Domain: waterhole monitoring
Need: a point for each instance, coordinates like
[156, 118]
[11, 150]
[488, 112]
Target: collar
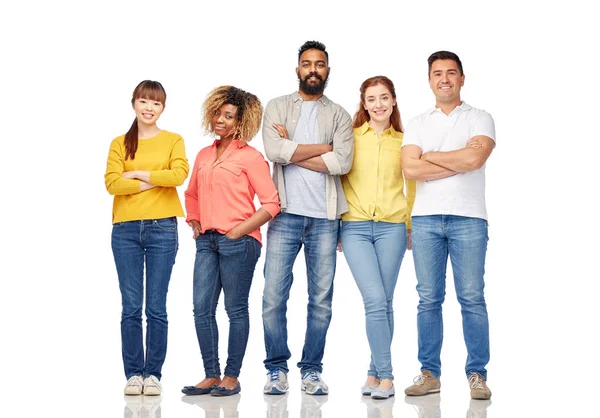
[463, 107]
[323, 99]
[361, 130]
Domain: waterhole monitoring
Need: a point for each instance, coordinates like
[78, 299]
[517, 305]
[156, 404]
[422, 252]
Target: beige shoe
[424, 383]
[152, 386]
[479, 389]
[134, 385]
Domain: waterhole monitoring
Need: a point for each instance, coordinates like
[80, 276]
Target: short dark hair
[312, 45]
[445, 55]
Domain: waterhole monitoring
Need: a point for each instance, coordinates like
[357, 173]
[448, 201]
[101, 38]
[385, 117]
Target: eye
[321, 65]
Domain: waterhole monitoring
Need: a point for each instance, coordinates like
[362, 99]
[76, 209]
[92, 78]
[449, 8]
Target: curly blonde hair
[249, 111]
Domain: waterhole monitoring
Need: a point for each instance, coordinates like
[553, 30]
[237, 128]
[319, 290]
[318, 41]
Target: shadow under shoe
[379, 408]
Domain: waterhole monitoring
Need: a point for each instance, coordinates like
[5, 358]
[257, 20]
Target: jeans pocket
[169, 224]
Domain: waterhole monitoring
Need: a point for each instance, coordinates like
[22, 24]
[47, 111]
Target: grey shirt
[304, 188]
[335, 128]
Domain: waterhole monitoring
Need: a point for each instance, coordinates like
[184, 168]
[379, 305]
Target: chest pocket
[390, 157]
[227, 173]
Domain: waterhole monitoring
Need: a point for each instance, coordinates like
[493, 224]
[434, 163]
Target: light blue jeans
[287, 233]
[374, 252]
[464, 239]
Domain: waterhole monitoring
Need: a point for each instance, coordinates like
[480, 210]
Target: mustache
[313, 75]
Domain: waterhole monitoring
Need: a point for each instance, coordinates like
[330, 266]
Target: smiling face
[379, 103]
[446, 80]
[147, 111]
[224, 121]
[312, 72]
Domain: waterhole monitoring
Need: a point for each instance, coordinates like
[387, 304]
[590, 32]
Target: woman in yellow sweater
[375, 232]
[144, 167]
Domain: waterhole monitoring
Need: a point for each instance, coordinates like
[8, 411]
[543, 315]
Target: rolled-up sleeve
[339, 161]
[192, 207]
[279, 150]
[260, 180]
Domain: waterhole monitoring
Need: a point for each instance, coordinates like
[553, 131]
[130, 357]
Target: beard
[312, 89]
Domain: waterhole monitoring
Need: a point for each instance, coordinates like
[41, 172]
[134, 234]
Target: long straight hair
[147, 89]
[361, 116]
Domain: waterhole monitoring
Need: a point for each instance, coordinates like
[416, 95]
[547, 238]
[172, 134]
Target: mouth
[147, 115]
[445, 87]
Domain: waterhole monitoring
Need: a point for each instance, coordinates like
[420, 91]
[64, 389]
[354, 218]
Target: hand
[424, 156]
[281, 130]
[233, 234]
[409, 239]
[339, 246]
[473, 143]
[196, 228]
[129, 175]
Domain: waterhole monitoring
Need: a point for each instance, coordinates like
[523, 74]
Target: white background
[67, 72]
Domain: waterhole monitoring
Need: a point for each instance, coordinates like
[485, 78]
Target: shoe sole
[318, 392]
[382, 397]
[133, 392]
[275, 391]
[423, 394]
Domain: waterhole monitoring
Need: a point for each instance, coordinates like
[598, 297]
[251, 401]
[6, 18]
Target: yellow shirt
[374, 187]
[164, 157]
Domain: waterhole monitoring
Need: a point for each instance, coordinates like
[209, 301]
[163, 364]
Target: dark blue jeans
[222, 263]
[152, 243]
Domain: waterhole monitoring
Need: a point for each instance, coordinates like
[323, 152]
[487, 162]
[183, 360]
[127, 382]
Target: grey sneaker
[134, 385]
[152, 386]
[277, 383]
[479, 389]
[423, 384]
[312, 384]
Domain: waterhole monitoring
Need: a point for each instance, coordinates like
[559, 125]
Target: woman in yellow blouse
[144, 168]
[375, 231]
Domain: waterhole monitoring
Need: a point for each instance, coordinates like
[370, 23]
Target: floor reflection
[428, 406]
[213, 405]
[142, 406]
[277, 406]
[310, 407]
[379, 408]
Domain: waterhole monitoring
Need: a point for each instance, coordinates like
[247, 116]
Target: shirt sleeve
[339, 161]
[260, 179]
[192, 206]
[178, 169]
[278, 149]
[115, 166]
[484, 125]
[411, 134]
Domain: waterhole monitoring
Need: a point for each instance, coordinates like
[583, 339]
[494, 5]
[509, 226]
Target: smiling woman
[143, 170]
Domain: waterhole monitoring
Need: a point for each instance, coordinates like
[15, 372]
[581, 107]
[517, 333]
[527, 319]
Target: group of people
[361, 185]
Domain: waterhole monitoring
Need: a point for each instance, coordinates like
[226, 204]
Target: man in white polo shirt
[445, 150]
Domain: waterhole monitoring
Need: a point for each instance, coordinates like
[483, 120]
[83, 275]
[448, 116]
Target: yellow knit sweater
[164, 157]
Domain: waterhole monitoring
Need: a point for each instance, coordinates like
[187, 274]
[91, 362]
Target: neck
[448, 107]
[379, 127]
[309, 97]
[224, 142]
[147, 131]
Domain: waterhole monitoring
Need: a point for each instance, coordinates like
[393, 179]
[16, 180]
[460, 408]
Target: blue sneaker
[277, 383]
[312, 384]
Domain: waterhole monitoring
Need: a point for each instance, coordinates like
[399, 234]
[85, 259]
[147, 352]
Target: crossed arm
[306, 156]
[441, 164]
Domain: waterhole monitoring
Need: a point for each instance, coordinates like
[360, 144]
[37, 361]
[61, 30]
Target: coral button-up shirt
[221, 191]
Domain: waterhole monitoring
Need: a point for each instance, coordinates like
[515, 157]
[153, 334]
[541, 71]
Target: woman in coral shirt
[226, 226]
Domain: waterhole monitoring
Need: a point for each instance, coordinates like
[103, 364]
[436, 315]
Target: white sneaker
[152, 386]
[134, 385]
[313, 384]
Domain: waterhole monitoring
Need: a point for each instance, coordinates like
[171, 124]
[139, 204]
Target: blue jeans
[374, 252]
[222, 263]
[465, 240]
[285, 236]
[153, 242]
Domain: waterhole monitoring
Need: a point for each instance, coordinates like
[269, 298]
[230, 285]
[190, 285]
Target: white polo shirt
[464, 193]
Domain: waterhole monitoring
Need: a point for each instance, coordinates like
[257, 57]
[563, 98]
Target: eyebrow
[309, 61]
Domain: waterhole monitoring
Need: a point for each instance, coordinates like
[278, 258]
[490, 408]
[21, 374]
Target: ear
[462, 80]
